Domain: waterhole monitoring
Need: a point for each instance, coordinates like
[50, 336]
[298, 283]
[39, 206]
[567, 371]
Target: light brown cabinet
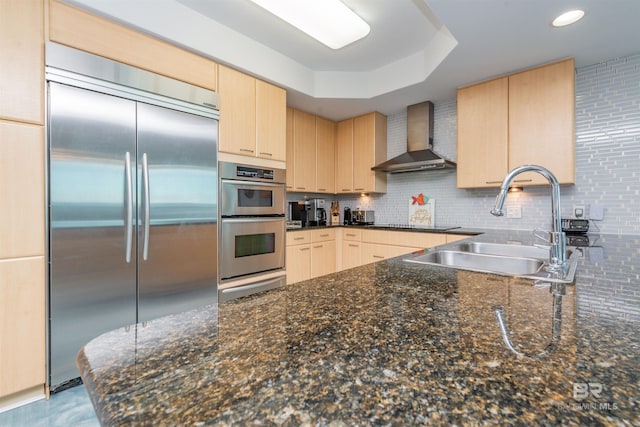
[363, 140]
[384, 244]
[22, 326]
[323, 252]
[21, 190]
[523, 118]
[252, 116]
[310, 254]
[271, 118]
[73, 27]
[304, 148]
[325, 155]
[289, 151]
[344, 156]
[22, 58]
[22, 223]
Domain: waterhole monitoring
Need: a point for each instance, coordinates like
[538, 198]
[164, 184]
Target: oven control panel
[251, 172]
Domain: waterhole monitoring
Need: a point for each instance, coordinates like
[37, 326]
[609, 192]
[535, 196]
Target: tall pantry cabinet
[22, 232]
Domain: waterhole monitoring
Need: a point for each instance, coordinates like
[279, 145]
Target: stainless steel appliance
[252, 220]
[132, 199]
[300, 211]
[363, 217]
[318, 213]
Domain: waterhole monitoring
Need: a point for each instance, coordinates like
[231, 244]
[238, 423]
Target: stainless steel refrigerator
[132, 209]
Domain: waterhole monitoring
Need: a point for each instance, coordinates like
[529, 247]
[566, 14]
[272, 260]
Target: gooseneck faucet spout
[557, 238]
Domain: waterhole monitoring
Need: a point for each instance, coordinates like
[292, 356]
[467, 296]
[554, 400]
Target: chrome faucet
[557, 238]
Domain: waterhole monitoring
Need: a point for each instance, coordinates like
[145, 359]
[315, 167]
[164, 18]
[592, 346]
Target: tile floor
[70, 407]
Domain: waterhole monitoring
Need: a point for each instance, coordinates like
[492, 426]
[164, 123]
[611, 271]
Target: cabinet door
[298, 263]
[482, 134]
[344, 156]
[351, 254]
[325, 155]
[237, 132]
[21, 190]
[369, 148]
[21, 56]
[271, 104]
[22, 325]
[541, 121]
[372, 252]
[323, 258]
[304, 140]
[290, 150]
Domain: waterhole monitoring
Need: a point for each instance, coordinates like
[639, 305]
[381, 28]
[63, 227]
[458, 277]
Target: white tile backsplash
[607, 162]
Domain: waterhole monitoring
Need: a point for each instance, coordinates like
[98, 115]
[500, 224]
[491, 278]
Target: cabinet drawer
[298, 238]
[323, 235]
[351, 234]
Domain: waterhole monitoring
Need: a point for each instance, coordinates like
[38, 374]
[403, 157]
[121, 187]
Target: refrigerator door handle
[147, 214]
[129, 209]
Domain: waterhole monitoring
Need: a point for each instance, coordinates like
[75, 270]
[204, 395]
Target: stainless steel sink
[506, 265]
[525, 251]
[504, 259]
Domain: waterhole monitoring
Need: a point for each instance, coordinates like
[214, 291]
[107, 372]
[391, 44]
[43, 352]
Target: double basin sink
[504, 259]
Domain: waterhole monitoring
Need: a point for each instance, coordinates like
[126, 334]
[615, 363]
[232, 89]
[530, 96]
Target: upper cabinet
[310, 153]
[252, 116]
[304, 150]
[344, 156]
[22, 58]
[523, 118]
[271, 121]
[363, 140]
[81, 30]
[325, 155]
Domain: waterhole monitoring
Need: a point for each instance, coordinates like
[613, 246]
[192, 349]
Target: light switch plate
[514, 211]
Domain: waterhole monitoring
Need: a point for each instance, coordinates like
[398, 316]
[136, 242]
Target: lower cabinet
[310, 254]
[22, 326]
[314, 253]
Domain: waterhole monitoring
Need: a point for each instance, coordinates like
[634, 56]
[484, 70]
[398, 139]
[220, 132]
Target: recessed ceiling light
[328, 21]
[568, 18]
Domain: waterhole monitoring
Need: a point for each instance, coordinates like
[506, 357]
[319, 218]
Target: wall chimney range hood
[420, 155]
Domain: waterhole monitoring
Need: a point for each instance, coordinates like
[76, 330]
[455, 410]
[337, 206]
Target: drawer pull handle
[378, 256]
[318, 247]
[359, 189]
[301, 188]
[298, 238]
[493, 182]
[304, 249]
[346, 189]
[322, 189]
[522, 180]
[354, 246]
[266, 154]
[246, 150]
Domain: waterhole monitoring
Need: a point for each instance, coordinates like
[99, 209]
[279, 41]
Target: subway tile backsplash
[607, 163]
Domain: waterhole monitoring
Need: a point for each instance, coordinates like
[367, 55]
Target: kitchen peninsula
[389, 343]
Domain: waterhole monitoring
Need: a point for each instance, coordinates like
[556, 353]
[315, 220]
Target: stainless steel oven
[252, 220]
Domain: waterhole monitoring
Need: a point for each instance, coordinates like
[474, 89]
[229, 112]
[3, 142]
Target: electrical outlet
[514, 211]
[579, 211]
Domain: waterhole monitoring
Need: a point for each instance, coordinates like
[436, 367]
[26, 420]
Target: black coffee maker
[347, 216]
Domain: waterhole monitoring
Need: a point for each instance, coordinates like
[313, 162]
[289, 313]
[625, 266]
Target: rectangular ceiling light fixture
[328, 21]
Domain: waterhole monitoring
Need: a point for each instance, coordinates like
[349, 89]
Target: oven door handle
[237, 183]
[254, 219]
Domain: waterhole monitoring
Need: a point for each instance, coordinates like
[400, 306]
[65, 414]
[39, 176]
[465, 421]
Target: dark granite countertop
[390, 343]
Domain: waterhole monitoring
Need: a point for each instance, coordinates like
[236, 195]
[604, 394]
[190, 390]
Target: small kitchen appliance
[363, 217]
[300, 211]
[347, 216]
[318, 213]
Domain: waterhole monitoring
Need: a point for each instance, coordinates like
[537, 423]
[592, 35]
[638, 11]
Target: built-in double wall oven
[252, 223]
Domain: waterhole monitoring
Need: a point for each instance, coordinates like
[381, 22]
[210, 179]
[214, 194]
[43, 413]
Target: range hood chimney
[420, 155]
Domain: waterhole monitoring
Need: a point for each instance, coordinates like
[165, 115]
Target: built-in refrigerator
[132, 200]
